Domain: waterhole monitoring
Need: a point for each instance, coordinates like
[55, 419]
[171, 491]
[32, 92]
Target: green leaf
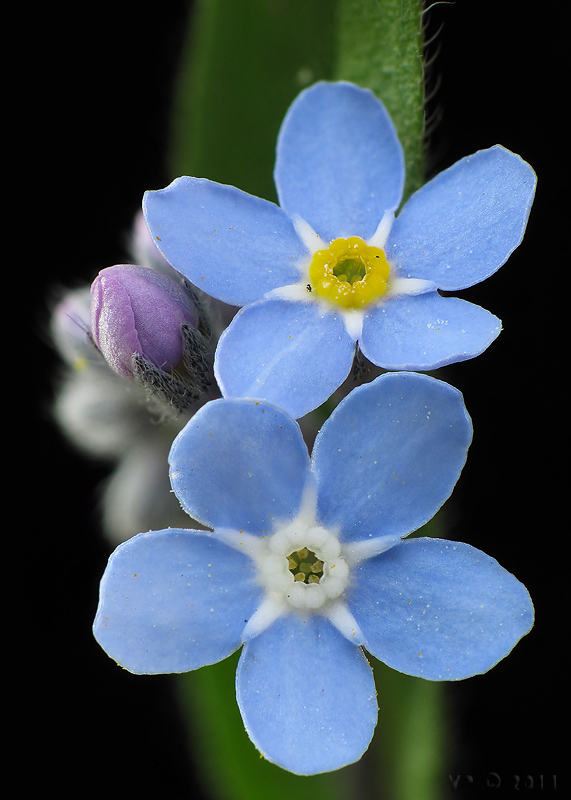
[244, 64]
[409, 742]
[380, 47]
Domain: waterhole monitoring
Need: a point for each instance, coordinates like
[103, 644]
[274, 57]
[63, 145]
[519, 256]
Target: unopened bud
[138, 312]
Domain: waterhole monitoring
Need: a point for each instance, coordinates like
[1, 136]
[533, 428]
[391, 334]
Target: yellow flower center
[349, 272]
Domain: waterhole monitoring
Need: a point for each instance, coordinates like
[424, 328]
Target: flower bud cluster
[136, 350]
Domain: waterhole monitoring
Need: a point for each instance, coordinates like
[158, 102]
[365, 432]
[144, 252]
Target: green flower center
[350, 269]
[305, 566]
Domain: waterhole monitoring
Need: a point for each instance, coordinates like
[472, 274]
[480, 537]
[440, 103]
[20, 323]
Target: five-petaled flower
[305, 566]
[331, 266]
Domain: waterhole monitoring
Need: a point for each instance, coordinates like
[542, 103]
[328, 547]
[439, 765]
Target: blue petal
[232, 245]
[306, 695]
[239, 464]
[437, 609]
[389, 455]
[291, 354]
[461, 226]
[426, 331]
[173, 601]
[339, 163]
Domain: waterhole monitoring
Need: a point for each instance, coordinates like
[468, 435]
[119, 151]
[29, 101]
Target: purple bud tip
[137, 311]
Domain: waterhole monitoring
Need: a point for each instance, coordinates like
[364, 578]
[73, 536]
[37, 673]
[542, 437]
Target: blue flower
[306, 567]
[330, 266]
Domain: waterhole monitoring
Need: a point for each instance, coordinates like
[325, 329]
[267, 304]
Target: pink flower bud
[138, 311]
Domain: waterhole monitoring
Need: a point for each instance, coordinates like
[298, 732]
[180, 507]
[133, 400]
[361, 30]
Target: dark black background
[92, 135]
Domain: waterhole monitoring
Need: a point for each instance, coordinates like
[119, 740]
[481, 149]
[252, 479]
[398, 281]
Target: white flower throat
[302, 566]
